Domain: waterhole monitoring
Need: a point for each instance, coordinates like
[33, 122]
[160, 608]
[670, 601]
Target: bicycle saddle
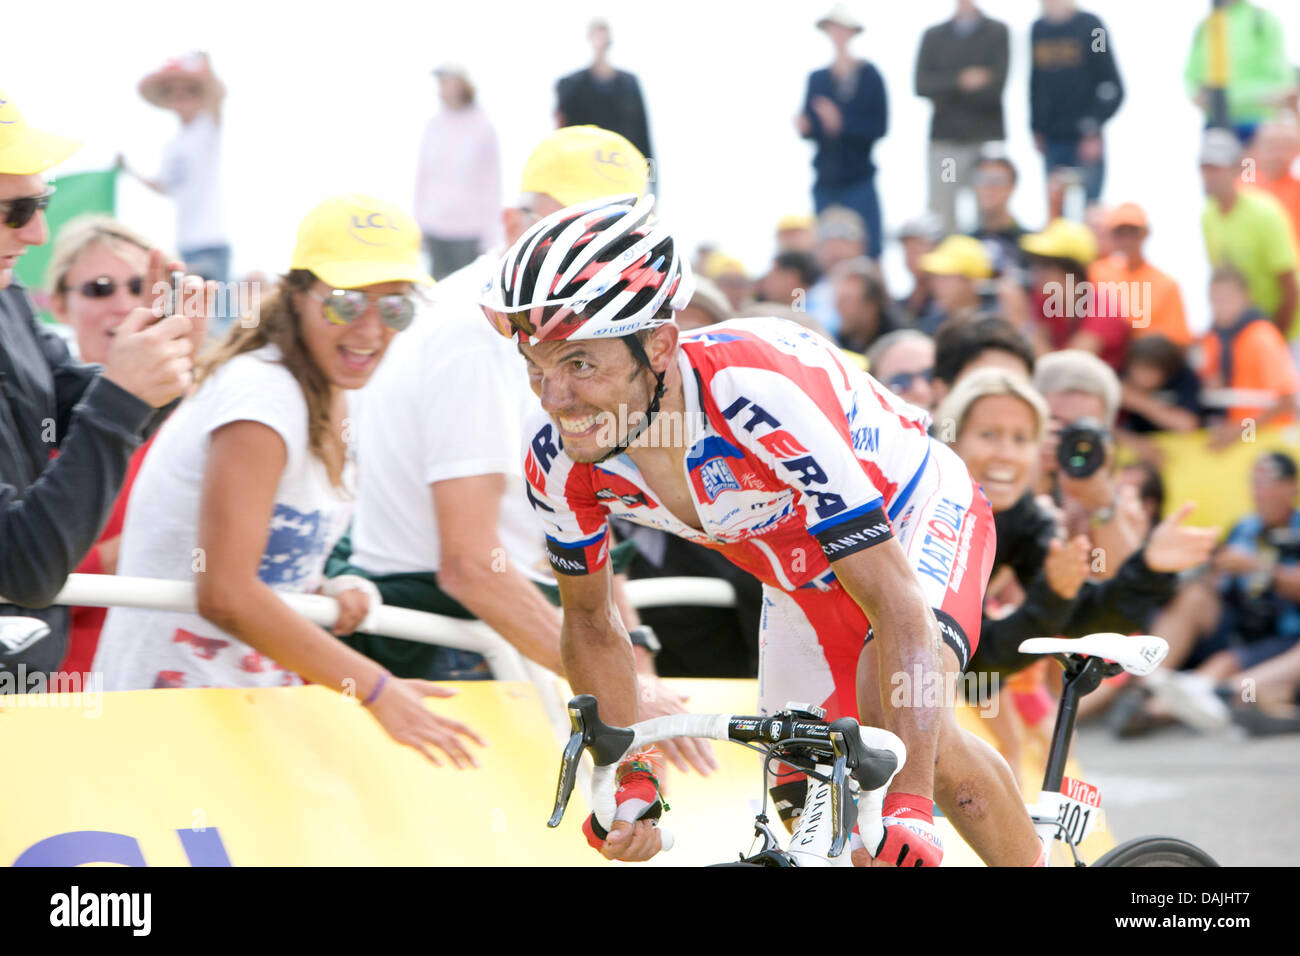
[1139, 654]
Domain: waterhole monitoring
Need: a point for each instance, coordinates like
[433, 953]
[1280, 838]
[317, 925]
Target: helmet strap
[638, 352]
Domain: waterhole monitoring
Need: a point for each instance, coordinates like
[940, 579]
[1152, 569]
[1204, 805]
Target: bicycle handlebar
[871, 755]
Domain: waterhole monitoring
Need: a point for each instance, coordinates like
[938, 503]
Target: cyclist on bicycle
[756, 438]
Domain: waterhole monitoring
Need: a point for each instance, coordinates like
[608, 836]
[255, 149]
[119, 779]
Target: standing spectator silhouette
[961, 68]
[190, 173]
[458, 182]
[601, 95]
[1074, 88]
[1257, 77]
[844, 113]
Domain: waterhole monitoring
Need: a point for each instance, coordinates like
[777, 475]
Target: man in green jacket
[1257, 78]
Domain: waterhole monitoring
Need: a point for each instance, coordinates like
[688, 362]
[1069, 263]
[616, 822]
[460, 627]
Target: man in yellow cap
[51, 511]
[442, 521]
[957, 268]
[1066, 309]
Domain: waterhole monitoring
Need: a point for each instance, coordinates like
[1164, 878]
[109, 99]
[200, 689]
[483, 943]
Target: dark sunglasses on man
[19, 212]
[902, 381]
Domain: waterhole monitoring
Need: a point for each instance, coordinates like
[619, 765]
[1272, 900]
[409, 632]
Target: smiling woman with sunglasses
[95, 278]
[249, 485]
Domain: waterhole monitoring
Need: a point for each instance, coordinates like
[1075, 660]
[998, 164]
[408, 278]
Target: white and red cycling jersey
[786, 440]
[795, 458]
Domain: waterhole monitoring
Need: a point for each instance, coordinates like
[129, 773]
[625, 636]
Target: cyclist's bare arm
[595, 647]
[906, 635]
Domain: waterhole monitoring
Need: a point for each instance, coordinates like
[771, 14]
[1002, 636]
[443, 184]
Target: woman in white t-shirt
[246, 489]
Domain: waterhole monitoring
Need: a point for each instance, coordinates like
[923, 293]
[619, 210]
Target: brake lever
[843, 810]
[568, 768]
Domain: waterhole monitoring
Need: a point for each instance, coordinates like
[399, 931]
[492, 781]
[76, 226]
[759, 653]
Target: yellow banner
[302, 776]
[1218, 481]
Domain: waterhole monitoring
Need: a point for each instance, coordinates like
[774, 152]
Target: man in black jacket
[1074, 88]
[961, 68]
[51, 511]
[600, 95]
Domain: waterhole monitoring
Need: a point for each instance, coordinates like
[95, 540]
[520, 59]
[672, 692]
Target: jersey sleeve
[562, 496]
[791, 419]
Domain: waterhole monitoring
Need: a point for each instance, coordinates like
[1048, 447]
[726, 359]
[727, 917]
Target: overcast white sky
[332, 96]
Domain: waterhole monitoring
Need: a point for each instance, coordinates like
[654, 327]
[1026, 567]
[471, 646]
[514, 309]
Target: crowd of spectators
[1054, 357]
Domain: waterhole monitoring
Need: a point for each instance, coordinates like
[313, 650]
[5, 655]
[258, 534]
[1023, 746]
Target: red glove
[637, 798]
[910, 836]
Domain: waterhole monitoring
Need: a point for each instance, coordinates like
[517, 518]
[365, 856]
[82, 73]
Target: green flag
[74, 195]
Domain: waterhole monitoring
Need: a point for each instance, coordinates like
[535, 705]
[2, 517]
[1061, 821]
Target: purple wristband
[375, 691]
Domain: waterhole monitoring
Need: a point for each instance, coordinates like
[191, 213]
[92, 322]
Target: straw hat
[191, 66]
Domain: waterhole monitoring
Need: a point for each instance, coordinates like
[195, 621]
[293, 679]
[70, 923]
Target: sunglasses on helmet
[19, 212]
[345, 306]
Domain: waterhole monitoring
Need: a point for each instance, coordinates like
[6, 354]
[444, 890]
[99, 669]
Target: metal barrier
[506, 663]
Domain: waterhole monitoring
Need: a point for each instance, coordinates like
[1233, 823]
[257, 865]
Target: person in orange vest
[1245, 365]
[1152, 291]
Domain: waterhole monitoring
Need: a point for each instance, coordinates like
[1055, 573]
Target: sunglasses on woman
[19, 212]
[105, 288]
[345, 306]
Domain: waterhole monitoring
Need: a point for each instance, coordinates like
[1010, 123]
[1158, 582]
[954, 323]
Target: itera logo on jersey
[939, 546]
[786, 448]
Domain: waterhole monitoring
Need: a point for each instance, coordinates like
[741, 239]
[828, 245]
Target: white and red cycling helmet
[600, 269]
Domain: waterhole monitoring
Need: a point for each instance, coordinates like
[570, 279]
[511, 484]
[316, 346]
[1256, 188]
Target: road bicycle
[850, 766]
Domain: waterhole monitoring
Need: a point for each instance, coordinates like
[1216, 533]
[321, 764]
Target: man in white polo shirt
[443, 521]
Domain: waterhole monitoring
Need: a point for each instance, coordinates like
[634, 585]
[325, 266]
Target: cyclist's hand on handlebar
[632, 843]
[658, 700]
[910, 837]
[401, 709]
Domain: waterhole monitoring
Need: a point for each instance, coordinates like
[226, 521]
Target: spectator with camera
[1077, 460]
[52, 509]
[1043, 569]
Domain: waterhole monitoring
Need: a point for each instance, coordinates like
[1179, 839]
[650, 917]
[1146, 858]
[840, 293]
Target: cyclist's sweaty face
[594, 390]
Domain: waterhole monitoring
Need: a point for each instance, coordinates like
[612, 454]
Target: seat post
[1082, 677]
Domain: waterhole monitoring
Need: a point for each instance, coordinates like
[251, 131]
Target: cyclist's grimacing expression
[593, 389]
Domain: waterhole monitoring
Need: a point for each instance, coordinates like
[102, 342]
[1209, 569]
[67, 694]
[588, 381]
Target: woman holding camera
[1000, 423]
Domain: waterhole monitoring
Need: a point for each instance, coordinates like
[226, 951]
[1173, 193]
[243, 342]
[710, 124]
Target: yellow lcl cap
[354, 240]
[579, 163]
[959, 256]
[24, 150]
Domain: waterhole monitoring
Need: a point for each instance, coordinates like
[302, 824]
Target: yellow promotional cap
[354, 240]
[579, 163]
[959, 256]
[25, 151]
[1062, 239]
